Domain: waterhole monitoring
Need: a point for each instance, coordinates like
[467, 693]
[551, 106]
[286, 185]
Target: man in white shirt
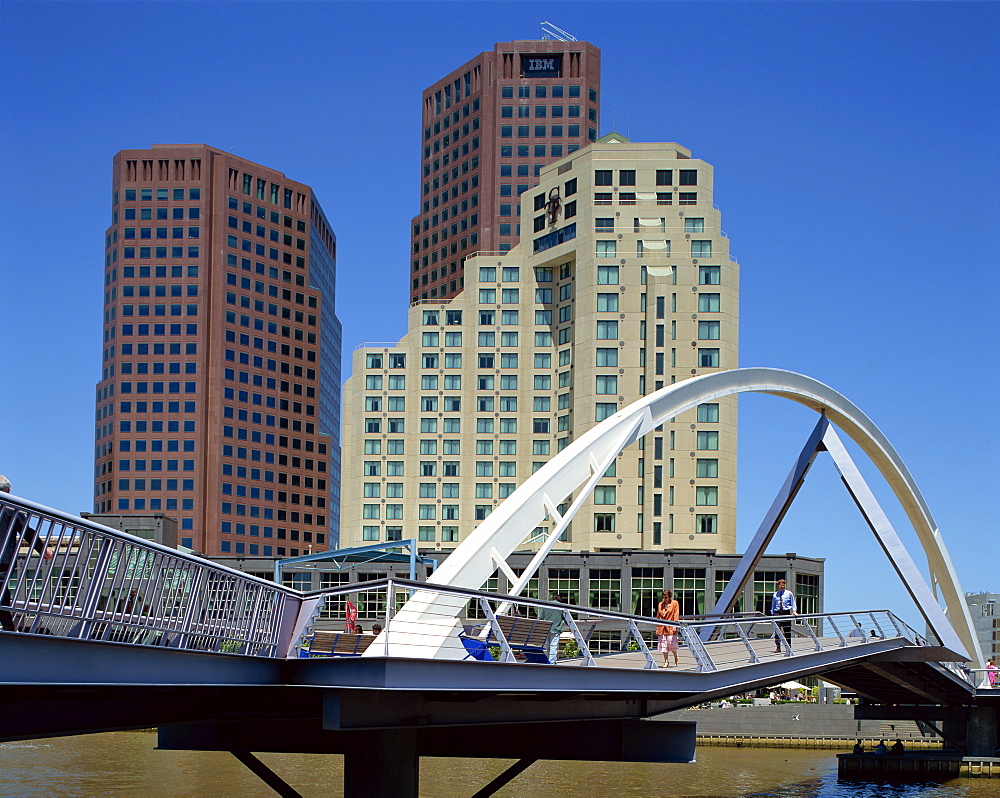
[783, 603]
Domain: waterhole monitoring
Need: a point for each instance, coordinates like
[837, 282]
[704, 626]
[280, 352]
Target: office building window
[709, 303]
[708, 358]
[603, 410]
[709, 275]
[708, 413]
[706, 524]
[706, 496]
[708, 440]
[708, 330]
[707, 468]
[604, 522]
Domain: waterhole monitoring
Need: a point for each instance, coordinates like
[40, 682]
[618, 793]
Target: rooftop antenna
[550, 31]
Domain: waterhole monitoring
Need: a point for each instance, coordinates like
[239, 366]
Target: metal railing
[439, 301]
[72, 578]
[456, 623]
[379, 345]
[984, 678]
[69, 577]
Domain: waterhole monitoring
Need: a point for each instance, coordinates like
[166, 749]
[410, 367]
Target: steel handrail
[629, 624]
[98, 583]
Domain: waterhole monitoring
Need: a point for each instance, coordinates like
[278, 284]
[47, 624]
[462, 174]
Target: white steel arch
[584, 461]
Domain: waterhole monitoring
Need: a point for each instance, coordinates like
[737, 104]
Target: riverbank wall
[798, 725]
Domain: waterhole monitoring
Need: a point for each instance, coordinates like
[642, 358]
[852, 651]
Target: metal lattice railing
[69, 577]
[66, 576]
[470, 624]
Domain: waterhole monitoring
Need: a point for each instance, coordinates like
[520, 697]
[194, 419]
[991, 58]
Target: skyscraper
[622, 284]
[219, 398]
[488, 128]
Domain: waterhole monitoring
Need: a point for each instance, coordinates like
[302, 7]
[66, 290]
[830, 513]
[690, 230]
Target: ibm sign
[541, 66]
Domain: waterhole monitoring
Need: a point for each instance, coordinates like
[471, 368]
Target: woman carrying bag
[668, 610]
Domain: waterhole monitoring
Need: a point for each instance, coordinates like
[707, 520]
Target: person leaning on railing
[13, 530]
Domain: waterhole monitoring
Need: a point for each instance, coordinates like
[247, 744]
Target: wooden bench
[530, 636]
[337, 644]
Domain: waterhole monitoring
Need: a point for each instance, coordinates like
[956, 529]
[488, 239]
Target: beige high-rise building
[622, 284]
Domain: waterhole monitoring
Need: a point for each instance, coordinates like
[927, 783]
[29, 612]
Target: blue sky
[855, 149]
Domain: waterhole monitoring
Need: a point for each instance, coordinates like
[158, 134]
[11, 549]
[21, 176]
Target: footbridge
[103, 631]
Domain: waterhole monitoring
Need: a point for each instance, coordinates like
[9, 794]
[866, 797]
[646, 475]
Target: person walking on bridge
[13, 530]
[783, 603]
[668, 610]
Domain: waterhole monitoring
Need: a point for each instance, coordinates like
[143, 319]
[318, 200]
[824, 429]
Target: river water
[126, 764]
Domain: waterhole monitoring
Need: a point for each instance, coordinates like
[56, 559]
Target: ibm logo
[541, 64]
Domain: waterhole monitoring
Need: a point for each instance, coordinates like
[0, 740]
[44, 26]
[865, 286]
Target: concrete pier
[917, 766]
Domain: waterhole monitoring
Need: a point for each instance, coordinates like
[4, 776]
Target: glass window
[605, 494]
[708, 413]
[708, 358]
[708, 440]
[707, 468]
[706, 495]
[607, 357]
[708, 303]
[693, 224]
[709, 275]
[708, 330]
[607, 249]
[607, 384]
[701, 249]
[607, 303]
[604, 410]
[607, 330]
[706, 524]
[689, 586]
[604, 522]
[607, 275]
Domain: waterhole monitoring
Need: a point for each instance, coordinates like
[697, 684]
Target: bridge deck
[726, 654]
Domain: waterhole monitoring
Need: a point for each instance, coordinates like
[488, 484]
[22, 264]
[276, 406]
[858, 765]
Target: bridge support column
[976, 733]
[381, 762]
[981, 731]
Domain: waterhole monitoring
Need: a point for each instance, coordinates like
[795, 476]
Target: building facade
[986, 619]
[622, 284]
[219, 398]
[629, 581]
[488, 129]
